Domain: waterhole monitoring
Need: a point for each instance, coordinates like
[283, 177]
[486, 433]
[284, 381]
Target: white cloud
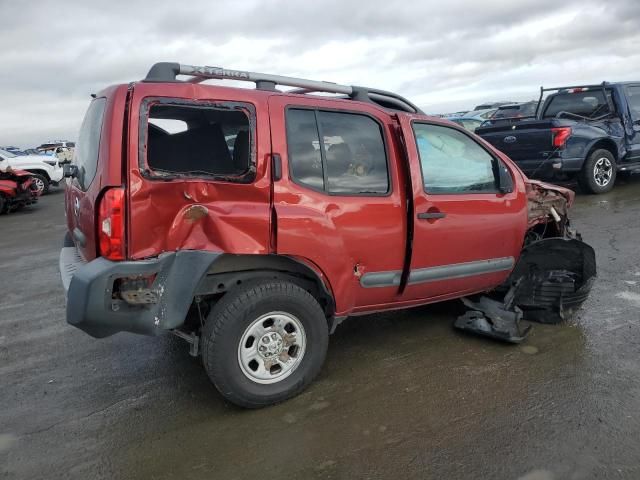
[442, 55]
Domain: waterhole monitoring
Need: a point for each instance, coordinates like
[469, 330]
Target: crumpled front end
[548, 206]
[550, 281]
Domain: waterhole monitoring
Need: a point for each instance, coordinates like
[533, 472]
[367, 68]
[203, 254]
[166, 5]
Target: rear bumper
[92, 307]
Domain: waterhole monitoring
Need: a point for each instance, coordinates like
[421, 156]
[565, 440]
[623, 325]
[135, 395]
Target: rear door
[98, 157]
[339, 205]
[467, 234]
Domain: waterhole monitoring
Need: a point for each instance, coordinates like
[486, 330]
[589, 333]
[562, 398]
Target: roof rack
[167, 72]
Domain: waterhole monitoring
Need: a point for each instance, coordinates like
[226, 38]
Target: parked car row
[46, 170]
[61, 149]
[588, 133]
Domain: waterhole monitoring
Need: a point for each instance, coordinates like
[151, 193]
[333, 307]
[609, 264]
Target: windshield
[6, 154]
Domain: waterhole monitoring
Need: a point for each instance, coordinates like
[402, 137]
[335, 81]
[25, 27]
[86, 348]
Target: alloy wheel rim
[272, 347]
[39, 185]
[602, 172]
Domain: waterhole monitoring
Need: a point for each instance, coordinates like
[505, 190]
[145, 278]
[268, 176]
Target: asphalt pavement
[402, 395]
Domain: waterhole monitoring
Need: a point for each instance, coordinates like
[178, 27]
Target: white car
[46, 170]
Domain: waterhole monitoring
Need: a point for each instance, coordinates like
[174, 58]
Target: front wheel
[41, 183]
[598, 172]
[264, 343]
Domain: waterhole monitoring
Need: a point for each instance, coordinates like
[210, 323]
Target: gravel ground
[402, 394]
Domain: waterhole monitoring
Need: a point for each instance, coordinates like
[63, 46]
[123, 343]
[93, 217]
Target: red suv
[252, 221]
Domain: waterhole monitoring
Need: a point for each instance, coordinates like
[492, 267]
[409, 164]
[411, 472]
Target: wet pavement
[402, 395]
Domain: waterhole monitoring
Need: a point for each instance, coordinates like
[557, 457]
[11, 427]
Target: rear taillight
[111, 241]
[559, 136]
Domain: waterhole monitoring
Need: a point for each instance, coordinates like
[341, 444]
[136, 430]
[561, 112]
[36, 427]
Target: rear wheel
[264, 343]
[41, 183]
[598, 173]
[3, 204]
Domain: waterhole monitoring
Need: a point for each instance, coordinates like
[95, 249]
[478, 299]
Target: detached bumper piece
[491, 318]
[551, 280]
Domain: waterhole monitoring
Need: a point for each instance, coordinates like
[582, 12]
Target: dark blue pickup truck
[589, 132]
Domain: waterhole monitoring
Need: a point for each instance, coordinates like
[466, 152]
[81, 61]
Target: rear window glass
[588, 104]
[86, 153]
[525, 110]
[198, 140]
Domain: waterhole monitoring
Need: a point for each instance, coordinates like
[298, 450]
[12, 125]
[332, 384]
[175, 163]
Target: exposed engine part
[545, 201]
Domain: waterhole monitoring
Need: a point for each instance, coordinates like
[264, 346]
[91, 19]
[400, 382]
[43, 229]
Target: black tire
[592, 179]
[43, 179]
[3, 204]
[231, 318]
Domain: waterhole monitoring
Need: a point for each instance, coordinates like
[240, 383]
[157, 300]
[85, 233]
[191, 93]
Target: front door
[467, 234]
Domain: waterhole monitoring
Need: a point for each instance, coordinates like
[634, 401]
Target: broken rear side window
[198, 140]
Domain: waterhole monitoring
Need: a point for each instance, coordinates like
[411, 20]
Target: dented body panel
[197, 213]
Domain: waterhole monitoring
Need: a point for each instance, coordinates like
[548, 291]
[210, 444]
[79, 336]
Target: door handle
[431, 215]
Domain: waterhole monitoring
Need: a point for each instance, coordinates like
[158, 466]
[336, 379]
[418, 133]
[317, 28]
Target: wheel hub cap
[272, 347]
[602, 172]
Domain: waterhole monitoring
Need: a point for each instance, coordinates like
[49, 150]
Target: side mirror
[69, 170]
[505, 181]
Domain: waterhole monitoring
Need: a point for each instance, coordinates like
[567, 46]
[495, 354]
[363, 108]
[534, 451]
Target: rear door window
[199, 140]
[453, 163]
[350, 160]
[87, 148]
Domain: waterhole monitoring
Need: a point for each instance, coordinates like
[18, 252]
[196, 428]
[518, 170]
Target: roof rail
[167, 72]
[599, 85]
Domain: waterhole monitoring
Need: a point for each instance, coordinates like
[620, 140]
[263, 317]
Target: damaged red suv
[251, 222]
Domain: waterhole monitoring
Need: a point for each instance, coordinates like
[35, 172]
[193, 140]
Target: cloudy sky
[443, 55]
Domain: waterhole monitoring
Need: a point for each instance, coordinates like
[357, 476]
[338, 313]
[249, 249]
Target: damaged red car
[17, 190]
[251, 222]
